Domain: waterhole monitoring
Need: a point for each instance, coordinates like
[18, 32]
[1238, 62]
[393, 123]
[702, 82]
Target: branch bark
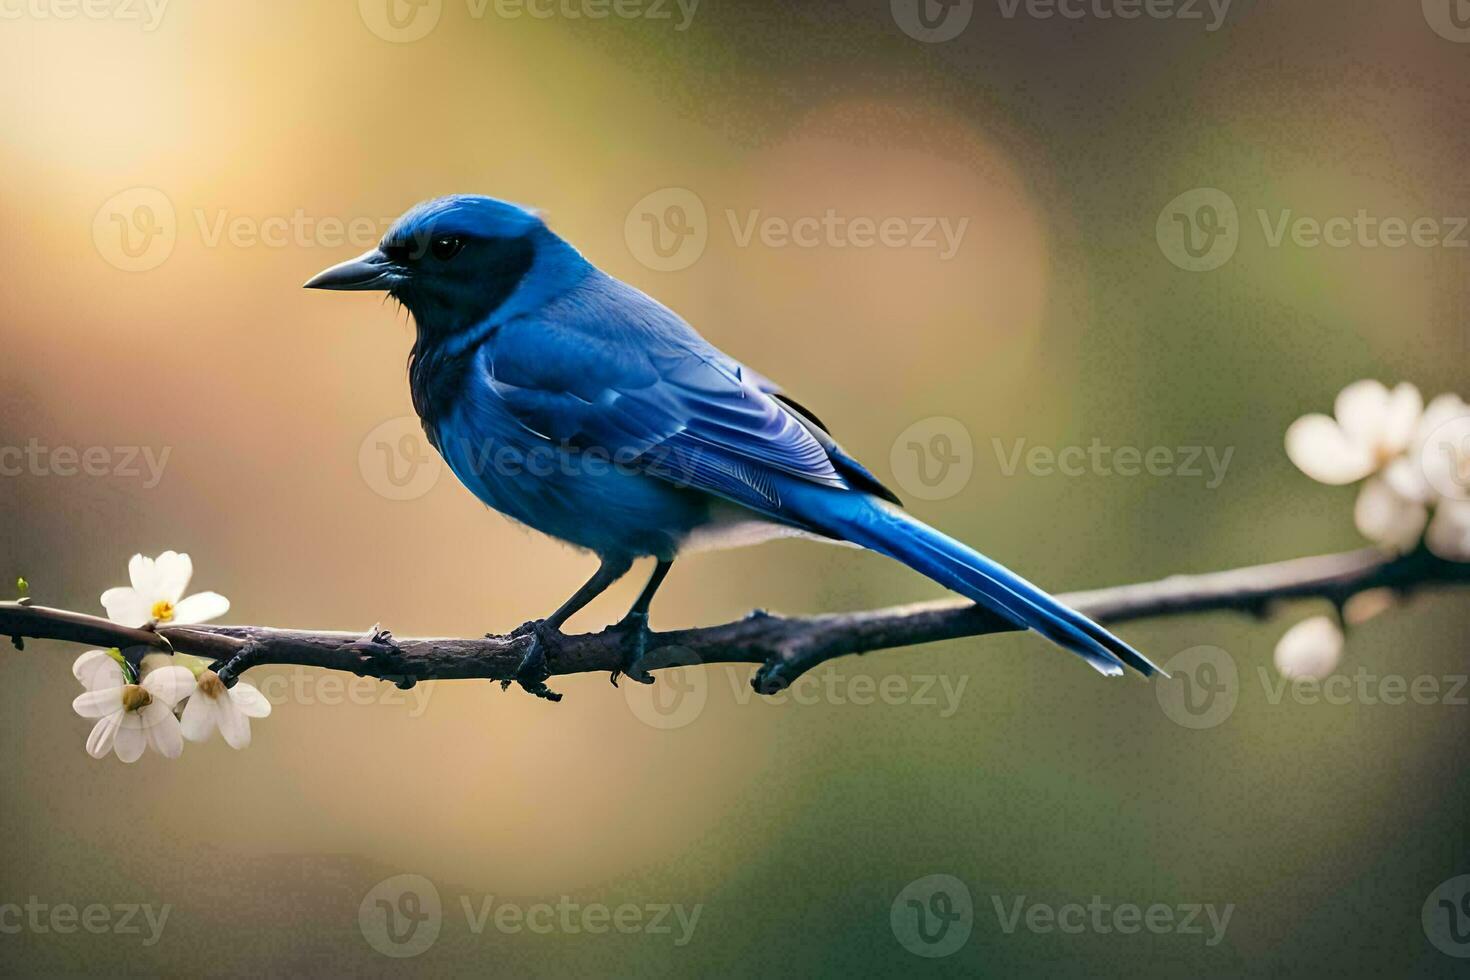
[785, 646]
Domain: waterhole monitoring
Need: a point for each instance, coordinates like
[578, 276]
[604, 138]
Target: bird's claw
[635, 631]
[533, 670]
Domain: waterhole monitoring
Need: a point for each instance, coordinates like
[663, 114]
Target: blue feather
[881, 528]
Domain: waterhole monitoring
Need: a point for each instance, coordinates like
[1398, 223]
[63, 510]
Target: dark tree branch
[785, 646]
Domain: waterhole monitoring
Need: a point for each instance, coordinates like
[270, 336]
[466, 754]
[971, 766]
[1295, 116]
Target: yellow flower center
[135, 698]
[163, 610]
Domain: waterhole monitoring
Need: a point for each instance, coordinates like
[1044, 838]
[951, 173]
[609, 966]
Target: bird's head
[454, 261]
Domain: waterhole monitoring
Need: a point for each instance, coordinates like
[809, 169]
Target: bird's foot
[543, 642]
[635, 634]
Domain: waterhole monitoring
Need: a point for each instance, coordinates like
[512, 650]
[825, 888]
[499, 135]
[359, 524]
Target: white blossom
[1310, 649]
[212, 705]
[157, 594]
[1406, 453]
[1372, 427]
[130, 717]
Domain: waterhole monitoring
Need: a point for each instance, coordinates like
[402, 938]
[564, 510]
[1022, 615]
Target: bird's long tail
[868, 522]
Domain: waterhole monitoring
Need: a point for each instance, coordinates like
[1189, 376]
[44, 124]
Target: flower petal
[1449, 532]
[173, 573]
[1406, 477]
[98, 671]
[1444, 458]
[233, 724]
[1441, 410]
[1311, 648]
[142, 574]
[126, 606]
[99, 743]
[1401, 418]
[201, 607]
[162, 731]
[100, 703]
[248, 699]
[1361, 409]
[130, 740]
[1388, 519]
[1322, 450]
[169, 685]
[198, 722]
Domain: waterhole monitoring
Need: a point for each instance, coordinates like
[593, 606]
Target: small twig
[786, 646]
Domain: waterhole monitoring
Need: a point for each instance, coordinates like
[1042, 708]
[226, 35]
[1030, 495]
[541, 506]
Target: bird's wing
[653, 394]
[855, 473]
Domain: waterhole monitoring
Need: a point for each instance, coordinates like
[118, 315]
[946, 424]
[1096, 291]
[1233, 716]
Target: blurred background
[174, 172]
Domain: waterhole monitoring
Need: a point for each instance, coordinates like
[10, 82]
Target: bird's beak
[370, 270]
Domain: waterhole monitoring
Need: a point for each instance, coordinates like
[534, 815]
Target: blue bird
[575, 404]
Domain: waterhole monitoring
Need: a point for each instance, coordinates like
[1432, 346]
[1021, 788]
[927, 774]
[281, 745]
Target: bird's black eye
[446, 247]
